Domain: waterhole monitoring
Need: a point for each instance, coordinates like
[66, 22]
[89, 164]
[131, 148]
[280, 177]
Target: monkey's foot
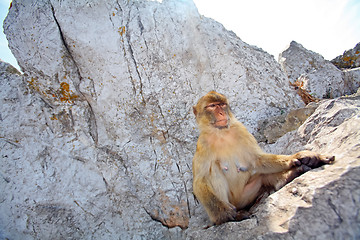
[313, 160]
[226, 213]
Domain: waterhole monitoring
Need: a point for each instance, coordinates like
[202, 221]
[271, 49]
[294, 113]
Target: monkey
[230, 170]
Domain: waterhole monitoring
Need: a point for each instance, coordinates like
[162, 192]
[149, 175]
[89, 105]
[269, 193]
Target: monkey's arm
[272, 163]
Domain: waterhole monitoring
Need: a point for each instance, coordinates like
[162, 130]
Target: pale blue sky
[328, 27]
[5, 53]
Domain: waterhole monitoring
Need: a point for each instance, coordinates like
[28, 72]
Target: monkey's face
[218, 114]
[213, 111]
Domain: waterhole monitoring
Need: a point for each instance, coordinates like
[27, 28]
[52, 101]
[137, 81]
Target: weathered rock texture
[97, 135]
[272, 129]
[103, 133]
[320, 77]
[350, 58]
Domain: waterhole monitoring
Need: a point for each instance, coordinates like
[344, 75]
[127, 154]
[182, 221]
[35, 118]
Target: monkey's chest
[235, 171]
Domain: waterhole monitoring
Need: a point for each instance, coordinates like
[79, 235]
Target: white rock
[107, 130]
[98, 135]
[324, 80]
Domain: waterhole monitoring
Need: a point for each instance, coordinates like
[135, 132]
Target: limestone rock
[320, 77]
[350, 58]
[352, 79]
[98, 136]
[273, 128]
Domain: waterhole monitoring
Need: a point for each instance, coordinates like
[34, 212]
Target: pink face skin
[221, 118]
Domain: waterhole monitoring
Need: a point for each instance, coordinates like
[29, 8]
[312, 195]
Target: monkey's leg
[272, 163]
[278, 180]
[261, 183]
[219, 211]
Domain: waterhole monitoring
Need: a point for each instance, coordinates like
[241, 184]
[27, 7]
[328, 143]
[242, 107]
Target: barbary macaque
[230, 171]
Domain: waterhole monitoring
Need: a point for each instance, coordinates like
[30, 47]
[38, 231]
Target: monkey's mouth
[221, 123]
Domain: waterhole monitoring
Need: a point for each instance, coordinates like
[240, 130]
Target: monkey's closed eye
[211, 106]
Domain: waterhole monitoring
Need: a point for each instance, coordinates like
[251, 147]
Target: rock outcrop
[320, 77]
[97, 134]
[270, 130]
[350, 58]
[104, 131]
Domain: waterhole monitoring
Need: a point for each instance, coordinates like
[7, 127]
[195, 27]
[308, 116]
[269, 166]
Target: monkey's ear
[194, 111]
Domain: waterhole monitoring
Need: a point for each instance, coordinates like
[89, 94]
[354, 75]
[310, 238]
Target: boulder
[352, 79]
[273, 128]
[97, 134]
[349, 59]
[102, 139]
[319, 76]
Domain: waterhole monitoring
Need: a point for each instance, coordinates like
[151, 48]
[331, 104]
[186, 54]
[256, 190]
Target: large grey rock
[320, 77]
[102, 137]
[97, 135]
[352, 79]
[273, 128]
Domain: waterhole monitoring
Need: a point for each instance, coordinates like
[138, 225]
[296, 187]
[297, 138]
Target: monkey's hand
[313, 159]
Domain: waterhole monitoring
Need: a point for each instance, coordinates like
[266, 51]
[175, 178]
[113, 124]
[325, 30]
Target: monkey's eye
[213, 105]
[222, 105]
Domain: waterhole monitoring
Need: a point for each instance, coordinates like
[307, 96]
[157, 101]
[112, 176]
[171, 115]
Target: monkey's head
[213, 110]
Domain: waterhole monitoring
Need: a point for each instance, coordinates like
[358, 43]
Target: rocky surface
[320, 77]
[349, 59]
[272, 129]
[97, 135]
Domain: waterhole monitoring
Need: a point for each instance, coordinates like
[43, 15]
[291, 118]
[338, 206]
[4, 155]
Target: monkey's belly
[237, 175]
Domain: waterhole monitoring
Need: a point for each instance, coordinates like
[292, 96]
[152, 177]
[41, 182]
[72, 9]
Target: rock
[320, 77]
[273, 128]
[352, 79]
[320, 204]
[349, 59]
[98, 134]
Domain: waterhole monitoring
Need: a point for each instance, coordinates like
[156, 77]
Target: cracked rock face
[97, 135]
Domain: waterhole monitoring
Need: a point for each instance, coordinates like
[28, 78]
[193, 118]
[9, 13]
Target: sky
[328, 27]
[5, 53]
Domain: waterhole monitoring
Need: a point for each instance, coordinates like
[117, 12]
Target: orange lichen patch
[65, 93]
[53, 117]
[304, 94]
[346, 59]
[173, 215]
[121, 30]
[34, 84]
